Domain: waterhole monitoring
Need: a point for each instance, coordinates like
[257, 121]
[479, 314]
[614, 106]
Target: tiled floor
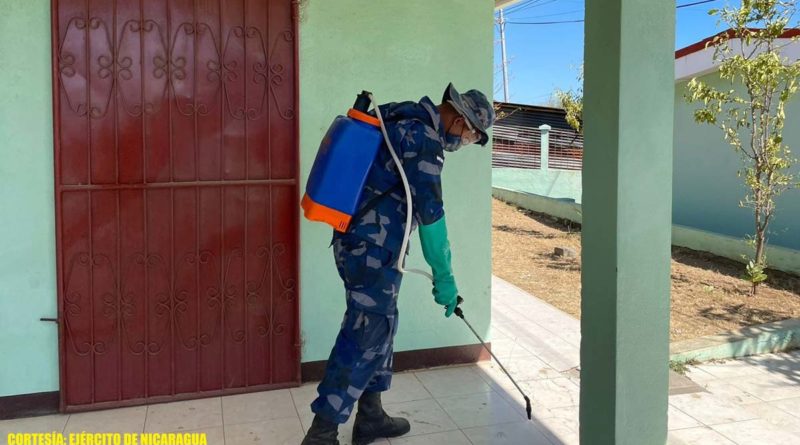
[750, 401]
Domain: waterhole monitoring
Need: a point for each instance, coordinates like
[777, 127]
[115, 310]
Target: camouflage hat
[474, 107]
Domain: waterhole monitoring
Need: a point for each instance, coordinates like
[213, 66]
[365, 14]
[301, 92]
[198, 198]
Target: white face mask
[471, 137]
[453, 142]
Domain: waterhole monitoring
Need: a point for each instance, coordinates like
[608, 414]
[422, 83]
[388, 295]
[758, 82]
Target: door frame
[56, 102]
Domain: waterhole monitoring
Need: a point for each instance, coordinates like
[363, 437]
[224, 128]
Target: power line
[694, 4]
[527, 5]
[550, 15]
[513, 8]
[558, 22]
[520, 6]
[546, 23]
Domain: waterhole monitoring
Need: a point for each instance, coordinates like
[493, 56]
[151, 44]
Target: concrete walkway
[755, 400]
[752, 401]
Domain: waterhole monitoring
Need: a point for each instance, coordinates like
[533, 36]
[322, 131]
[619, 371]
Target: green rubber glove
[436, 249]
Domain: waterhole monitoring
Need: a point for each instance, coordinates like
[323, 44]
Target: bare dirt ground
[708, 297]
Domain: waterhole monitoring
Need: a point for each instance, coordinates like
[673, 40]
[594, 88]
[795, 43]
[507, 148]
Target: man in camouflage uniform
[360, 365]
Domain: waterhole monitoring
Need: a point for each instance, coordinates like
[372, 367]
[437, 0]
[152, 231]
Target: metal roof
[529, 116]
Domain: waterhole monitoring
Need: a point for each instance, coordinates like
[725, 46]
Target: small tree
[572, 102]
[752, 112]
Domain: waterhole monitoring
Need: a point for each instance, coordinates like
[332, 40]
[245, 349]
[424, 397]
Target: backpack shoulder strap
[374, 201]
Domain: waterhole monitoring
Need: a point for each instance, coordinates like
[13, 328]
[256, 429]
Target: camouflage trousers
[361, 359]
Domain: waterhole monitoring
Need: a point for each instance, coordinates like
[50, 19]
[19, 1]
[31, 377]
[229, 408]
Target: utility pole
[502, 23]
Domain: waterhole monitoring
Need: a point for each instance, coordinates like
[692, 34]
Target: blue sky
[545, 57]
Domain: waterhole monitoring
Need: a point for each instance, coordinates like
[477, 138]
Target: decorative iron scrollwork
[258, 296]
[222, 69]
[119, 303]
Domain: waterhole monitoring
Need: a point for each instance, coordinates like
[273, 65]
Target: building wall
[706, 188]
[394, 49]
[28, 347]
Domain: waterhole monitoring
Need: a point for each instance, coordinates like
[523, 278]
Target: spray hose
[404, 247]
[407, 234]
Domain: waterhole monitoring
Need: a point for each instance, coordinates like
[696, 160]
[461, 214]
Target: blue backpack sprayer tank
[347, 151]
[337, 178]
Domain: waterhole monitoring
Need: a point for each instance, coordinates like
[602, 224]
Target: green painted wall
[398, 50]
[556, 184]
[706, 189]
[397, 62]
[28, 347]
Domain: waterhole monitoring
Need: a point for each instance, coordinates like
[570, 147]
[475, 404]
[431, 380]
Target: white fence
[527, 147]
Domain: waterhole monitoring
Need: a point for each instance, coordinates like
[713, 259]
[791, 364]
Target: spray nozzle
[459, 313]
[362, 101]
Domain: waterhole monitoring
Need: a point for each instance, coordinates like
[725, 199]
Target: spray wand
[460, 314]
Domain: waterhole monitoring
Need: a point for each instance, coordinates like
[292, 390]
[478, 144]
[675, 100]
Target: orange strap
[363, 117]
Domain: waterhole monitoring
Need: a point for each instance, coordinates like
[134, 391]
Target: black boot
[372, 422]
[322, 432]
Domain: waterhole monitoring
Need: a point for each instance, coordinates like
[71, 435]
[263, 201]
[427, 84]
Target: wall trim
[29, 405]
[44, 403]
[779, 258]
[777, 336]
[416, 359]
[698, 59]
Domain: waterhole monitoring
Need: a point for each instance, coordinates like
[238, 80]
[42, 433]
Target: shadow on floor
[548, 426]
[787, 365]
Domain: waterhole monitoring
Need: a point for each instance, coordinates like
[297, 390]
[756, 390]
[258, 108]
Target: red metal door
[176, 198]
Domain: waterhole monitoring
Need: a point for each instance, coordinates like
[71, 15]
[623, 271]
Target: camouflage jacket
[417, 136]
